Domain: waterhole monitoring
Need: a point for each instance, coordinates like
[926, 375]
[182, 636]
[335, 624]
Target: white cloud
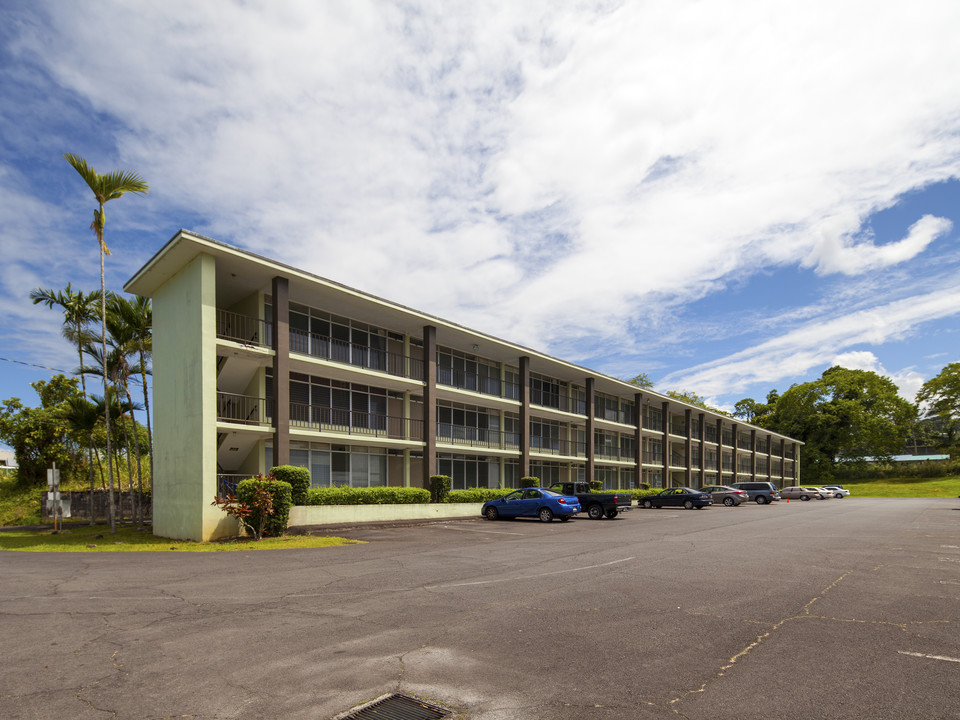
[822, 342]
[553, 173]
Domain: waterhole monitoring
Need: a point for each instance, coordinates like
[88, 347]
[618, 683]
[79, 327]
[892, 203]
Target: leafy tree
[41, 436]
[844, 417]
[940, 399]
[106, 187]
[79, 310]
[136, 316]
[642, 381]
[745, 409]
[693, 399]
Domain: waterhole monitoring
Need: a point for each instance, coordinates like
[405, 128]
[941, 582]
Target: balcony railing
[653, 424]
[363, 356]
[556, 401]
[476, 437]
[242, 409]
[227, 482]
[242, 328]
[353, 422]
[478, 383]
[555, 446]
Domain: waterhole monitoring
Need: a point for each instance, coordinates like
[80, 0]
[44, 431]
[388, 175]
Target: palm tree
[79, 310]
[83, 418]
[137, 316]
[109, 186]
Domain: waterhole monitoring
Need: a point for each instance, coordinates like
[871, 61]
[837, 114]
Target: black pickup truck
[596, 505]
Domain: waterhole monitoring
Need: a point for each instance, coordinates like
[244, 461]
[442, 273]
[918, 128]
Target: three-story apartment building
[257, 363]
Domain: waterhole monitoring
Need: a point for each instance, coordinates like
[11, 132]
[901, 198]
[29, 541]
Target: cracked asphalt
[832, 609]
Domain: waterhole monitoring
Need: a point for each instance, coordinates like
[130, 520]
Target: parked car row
[564, 500]
[795, 492]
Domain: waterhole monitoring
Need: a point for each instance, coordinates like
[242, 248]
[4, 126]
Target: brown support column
[591, 445]
[769, 458]
[665, 419]
[281, 371]
[796, 464]
[638, 437]
[429, 403]
[688, 447]
[736, 451]
[524, 417]
[753, 455]
[783, 449]
[720, 452]
[701, 428]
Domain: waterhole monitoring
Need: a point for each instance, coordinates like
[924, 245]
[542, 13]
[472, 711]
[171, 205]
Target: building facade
[257, 364]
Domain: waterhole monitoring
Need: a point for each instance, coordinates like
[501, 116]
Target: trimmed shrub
[299, 479]
[367, 496]
[477, 495]
[637, 493]
[529, 481]
[596, 486]
[439, 487]
[276, 523]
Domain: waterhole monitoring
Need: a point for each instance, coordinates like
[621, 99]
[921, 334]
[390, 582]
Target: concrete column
[753, 455]
[591, 445]
[769, 458]
[688, 447]
[796, 464]
[720, 451]
[524, 417]
[281, 371]
[783, 449]
[429, 403]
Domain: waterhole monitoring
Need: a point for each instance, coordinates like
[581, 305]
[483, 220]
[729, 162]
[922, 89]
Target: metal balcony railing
[475, 382]
[242, 328]
[555, 446]
[363, 356]
[557, 401]
[242, 409]
[476, 437]
[353, 422]
[227, 482]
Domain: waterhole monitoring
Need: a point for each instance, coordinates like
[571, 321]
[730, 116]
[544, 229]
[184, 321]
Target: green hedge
[299, 479]
[367, 496]
[476, 495]
[276, 524]
[636, 493]
[529, 482]
[884, 471]
[439, 487]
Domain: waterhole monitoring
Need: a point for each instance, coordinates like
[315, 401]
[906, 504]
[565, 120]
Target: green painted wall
[185, 406]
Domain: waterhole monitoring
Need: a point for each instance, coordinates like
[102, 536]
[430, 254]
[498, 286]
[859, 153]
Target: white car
[825, 492]
[838, 491]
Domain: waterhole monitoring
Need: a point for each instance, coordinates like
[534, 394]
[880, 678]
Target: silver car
[727, 495]
[800, 493]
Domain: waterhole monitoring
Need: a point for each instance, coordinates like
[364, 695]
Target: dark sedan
[678, 497]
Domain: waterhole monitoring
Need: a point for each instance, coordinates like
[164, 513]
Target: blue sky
[728, 196]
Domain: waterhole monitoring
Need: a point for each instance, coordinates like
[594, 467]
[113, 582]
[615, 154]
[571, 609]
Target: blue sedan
[532, 502]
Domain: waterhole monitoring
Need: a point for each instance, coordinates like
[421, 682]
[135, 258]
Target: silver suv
[760, 492]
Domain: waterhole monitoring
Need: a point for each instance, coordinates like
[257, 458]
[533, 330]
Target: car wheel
[564, 518]
[688, 504]
[728, 501]
[761, 500]
[491, 513]
[595, 512]
[647, 504]
[611, 514]
[546, 515]
[804, 497]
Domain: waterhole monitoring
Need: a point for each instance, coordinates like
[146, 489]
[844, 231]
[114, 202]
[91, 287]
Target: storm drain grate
[396, 707]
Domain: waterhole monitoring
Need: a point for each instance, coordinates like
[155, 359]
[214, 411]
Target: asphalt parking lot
[832, 609]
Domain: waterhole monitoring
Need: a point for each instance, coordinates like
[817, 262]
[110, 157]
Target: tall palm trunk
[103, 344]
[146, 409]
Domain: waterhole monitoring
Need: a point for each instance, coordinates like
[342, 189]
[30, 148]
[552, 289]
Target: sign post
[53, 497]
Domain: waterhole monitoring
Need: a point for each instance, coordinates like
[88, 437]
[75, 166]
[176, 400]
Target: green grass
[97, 538]
[18, 506]
[948, 487]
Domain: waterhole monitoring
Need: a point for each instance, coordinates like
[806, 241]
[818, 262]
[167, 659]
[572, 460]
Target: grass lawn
[947, 487]
[97, 538]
